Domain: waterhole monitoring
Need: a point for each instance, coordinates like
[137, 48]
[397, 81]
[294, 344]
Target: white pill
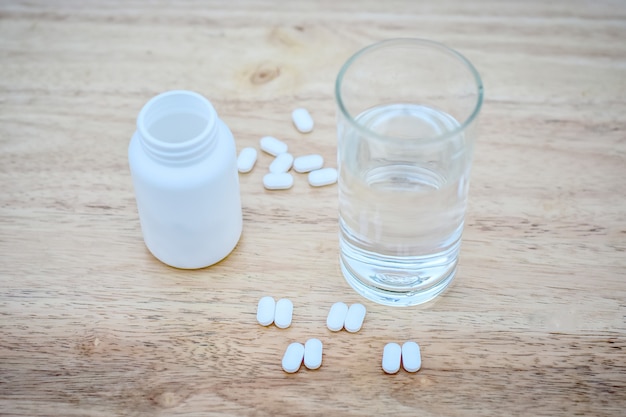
[308, 163]
[283, 313]
[411, 357]
[281, 164]
[302, 120]
[354, 318]
[313, 353]
[321, 177]
[292, 359]
[246, 160]
[265, 311]
[273, 146]
[281, 181]
[391, 358]
[336, 316]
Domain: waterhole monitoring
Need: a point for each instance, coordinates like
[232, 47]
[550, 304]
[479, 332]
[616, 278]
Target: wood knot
[264, 74]
[91, 343]
[170, 396]
[167, 399]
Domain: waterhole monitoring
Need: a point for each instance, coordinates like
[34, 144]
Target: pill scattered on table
[273, 146]
[283, 313]
[313, 353]
[265, 311]
[246, 160]
[392, 355]
[292, 359]
[302, 120]
[411, 357]
[308, 163]
[282, 163]
[321, 177]
[282, 181]
[354, 318]
[336, 316]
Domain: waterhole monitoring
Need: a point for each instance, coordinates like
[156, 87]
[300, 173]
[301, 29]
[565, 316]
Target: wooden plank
[93, 325]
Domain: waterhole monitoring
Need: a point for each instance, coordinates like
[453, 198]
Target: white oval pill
[302, 120]
[283, 313]
[281, 164]
[265, 311]
[411, 357]
[281, 181]
[321, 177]
[313, 353]
[391, 358]
[336, 316]
[292, 359]
[308, 163]
[273, 146]
[354, 318]
[246, 160]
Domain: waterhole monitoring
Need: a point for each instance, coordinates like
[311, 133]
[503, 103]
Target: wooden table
[92, 325]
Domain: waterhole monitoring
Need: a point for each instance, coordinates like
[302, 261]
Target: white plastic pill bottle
[183, 164]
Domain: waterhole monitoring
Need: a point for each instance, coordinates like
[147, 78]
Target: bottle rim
[165, 103]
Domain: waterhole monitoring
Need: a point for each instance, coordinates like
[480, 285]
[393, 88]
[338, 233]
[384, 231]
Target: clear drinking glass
[407, 111]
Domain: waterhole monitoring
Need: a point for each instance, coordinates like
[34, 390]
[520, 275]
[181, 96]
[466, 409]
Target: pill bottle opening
[176, 117]
[178, 127]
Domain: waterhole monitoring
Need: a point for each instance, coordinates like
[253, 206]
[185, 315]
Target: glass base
[396, 298]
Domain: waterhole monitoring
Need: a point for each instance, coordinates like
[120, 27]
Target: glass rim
[425, 42]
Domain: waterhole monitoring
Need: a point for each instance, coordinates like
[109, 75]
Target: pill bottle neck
[178, 127]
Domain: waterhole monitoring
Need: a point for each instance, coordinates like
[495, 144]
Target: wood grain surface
[92, 325]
